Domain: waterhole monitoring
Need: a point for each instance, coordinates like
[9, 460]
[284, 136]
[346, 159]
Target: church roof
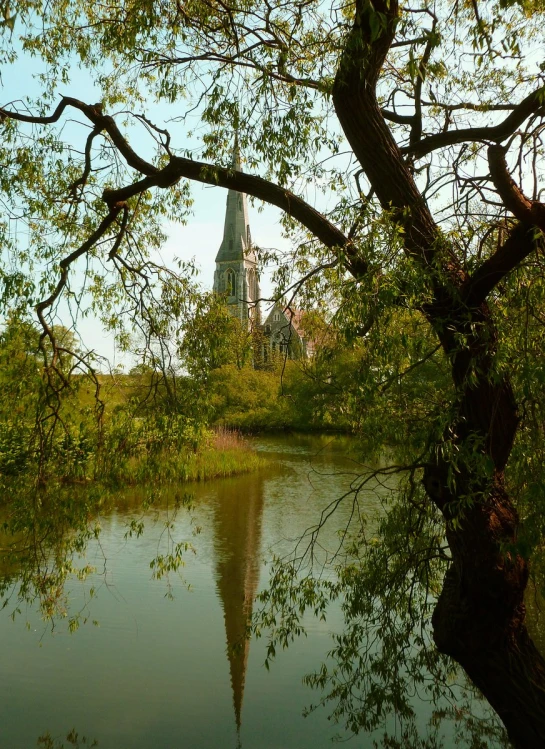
[287, 317]
[236, 244]
[288, 322]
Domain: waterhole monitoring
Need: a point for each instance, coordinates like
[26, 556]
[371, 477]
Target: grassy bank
[130, 452]
[223, 453]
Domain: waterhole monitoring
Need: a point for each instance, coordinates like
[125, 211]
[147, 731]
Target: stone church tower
[236, 273]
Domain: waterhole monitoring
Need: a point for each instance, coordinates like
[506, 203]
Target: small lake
[159, 669]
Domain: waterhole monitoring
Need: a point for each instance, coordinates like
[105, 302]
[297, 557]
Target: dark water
[160, 671]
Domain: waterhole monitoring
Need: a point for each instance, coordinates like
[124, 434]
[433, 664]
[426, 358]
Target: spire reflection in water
[237, 544]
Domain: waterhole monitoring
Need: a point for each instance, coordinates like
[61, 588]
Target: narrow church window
[230, 283]
[230, 244]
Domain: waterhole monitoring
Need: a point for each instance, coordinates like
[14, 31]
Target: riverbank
[223, 454]
[138, 453]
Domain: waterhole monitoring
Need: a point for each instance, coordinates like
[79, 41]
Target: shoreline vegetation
[148, 425]
[137, 432]
[143, 456]
[223, 452]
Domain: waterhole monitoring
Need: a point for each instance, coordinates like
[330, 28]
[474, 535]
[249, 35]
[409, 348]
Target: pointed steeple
[235, 159]
[236, 244]
[237, 274]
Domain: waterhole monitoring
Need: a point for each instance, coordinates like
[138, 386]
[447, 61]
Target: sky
[200, 238]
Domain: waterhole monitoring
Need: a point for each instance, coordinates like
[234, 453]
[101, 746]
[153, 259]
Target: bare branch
[520, 243]
[525, 210]
[532, 104]
[82, 180]
[100, 121]
[65, 264]
[416, 129]
[399, 119]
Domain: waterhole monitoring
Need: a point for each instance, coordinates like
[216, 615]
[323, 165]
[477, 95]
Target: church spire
[236, 273]
[235, 160]
[236, 244]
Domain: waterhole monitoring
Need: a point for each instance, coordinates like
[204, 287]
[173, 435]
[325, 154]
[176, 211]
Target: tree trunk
[473, 625]
[479, 619]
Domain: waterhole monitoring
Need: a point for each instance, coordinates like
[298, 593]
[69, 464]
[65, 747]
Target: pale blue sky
[200, 238]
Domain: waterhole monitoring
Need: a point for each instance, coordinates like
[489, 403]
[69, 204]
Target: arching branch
[532, 104]
[520, 243]
[524, 209]
[179, 167]
[257, 187]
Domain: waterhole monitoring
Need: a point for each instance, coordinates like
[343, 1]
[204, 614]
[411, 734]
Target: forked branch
[522, 240]
[532, 104]
[525, 210]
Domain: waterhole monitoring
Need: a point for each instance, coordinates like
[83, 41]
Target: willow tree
[403, 145]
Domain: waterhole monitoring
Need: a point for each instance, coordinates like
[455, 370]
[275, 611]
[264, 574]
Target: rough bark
[479, 619]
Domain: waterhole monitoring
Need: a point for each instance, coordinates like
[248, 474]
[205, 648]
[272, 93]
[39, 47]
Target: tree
[213, 337]
[423, 126]
[24, 390]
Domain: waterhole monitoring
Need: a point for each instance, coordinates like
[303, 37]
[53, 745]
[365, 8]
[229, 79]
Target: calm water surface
[160, 672]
